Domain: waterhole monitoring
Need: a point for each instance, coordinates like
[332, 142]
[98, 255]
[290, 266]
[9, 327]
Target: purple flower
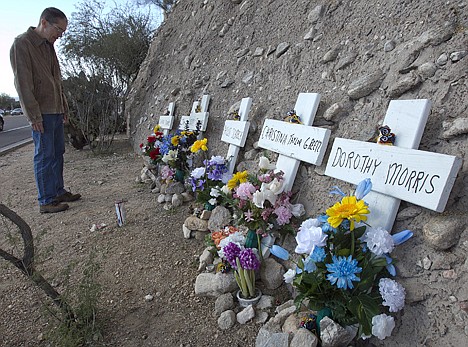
[248, 259]
[231, 252]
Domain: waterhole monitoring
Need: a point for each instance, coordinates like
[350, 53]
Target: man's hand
[38, 127]
[65, 118]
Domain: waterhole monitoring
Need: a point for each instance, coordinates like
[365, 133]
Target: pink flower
[284, 215]
[245, 190]
[248, 216]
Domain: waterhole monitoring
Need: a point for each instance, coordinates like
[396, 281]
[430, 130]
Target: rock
[205, 258]
[237, 2]
[167, 206]
[450, 274]
[427, 70]
[214, 285]
[333, 334]
[304, 337]
[336, 111]
[405, 84]
[265, 302]
[442, 60]
[187, 196]
[223, 303]
[258, 52]
[245, 315]
[195, 223]
[365, 85]
[220, 217]
[284, 306]
[177, 200]
[275, 324]
[247, 77]
[457, 56]
[161, 198]
[315, 14]
[443, 232]
[266, 338]
[175, 188]
[389, 46]
[310, 34]
[226, 320]
[272, 273]
[167, 197]
[205, 215]
[187, 232]
[346, 60]
[291, 324]
[458, 127]
[261, 317]
[426, 263]
[281, 49]
[408, 213]
[149, 297]
[331, 55]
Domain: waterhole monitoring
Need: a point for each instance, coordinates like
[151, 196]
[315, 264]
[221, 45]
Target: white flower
[225, 189]
[309, 236]
[198, 172]
[275, 186]
[213, 201]
[289, 276]
[214, 192]
[217, 159]
[297, 210]
[379, 241]
[259, 197]
[382, 326]
[393, 294]
[170, 156]
[264, 164]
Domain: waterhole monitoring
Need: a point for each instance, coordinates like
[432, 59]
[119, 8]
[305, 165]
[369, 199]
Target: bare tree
[164, 5]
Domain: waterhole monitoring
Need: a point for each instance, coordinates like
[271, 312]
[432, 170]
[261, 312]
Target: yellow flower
[175, 140]
[349, 208]
[237, 178]
[199, 144]
[156, 128]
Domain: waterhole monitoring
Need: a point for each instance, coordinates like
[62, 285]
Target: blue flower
[279, 252]
[309, 265]
[390, 267]
[343, 271]
[337, 191]
[318, 254]
[325, 226]
[363, 188]
[401, 237]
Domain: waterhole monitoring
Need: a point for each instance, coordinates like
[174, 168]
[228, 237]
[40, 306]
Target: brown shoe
[53, 207]
[67, 197]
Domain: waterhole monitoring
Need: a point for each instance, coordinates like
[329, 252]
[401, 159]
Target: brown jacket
[37, 76]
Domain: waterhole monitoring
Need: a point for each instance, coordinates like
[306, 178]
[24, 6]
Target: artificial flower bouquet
[206, 181]
[345, 267]
[243, 260]
[260, 202]
[152, 147]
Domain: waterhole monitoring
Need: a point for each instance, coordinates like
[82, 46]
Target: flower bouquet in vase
[345, 269]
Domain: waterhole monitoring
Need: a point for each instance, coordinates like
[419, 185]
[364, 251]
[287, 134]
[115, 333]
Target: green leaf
[364, 308]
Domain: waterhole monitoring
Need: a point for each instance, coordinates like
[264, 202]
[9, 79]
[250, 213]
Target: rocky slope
[272, 50]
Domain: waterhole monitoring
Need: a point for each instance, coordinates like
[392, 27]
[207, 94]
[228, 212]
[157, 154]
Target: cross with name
[235, 133]
[167, 120]
[198, 114]
[296, 142]
[400, 171]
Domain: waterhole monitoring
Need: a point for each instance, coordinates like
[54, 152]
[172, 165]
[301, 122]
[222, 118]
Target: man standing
[39, 85]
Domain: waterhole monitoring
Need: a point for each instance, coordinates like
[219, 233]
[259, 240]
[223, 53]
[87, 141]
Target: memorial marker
[167, 120]
[198, 114]
[235, 132]
[397, 172]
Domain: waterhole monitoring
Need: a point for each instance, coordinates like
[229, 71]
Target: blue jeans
[49, 148]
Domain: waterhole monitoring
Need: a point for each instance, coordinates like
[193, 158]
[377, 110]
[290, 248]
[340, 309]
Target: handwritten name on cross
[198, 114]
[167, 120]
[400, 171]
[235, 132]
[296, 142]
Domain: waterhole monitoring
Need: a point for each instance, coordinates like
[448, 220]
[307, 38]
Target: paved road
[16, 132]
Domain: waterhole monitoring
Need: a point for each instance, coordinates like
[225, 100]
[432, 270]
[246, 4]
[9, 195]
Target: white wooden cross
[167, 120]
[397, 172]
[235, 133]
[296, 142]
[197, 114]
